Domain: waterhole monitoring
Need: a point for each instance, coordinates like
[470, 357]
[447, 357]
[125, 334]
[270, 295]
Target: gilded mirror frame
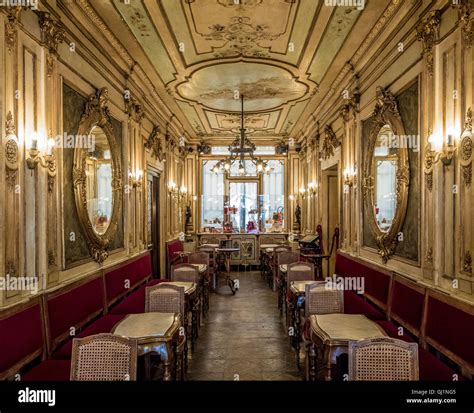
[96, 114]
[386, 113]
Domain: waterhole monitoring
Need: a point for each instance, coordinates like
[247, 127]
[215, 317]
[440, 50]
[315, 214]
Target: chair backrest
[225, 243]
[199, 258]
[287, 257]
[164, 298]
[383, 359]
[300, 271]
[185, 272]
[279, 250]
[321, 300]
[104, 357]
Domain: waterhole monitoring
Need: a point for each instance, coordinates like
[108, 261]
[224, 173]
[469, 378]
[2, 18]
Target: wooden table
[156, 333]
[227, 252]
[332, 333]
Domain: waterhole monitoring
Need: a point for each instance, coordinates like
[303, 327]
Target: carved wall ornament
[466, 148]
[52, 33]
[429, 180]
[386, 119]
[133, 109]
[466, 19]
[154, 144]
[350, 104]
[429, 255]
[11, 152]
[96, 114]
[330, 142]
[427, 32]
[467, 262]
[13, 14]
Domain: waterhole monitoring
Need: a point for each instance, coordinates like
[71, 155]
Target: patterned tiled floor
[243, 337]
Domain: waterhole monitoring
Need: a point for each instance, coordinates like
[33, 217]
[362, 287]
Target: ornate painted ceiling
[277, 53]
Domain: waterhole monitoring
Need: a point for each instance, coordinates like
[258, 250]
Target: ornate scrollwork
[133, 108]
[13, 13]
[386, 113]
[351, 103]
[330, 142]
[467, 262]
[154, 144]
[427, 32]
[11, 152]
[96, 113]
[466, 19]
[52, 33]
[466, 148]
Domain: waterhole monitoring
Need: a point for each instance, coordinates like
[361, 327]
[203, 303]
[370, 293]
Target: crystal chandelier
[239, 148]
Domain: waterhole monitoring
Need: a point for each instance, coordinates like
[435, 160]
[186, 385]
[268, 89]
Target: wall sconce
[135, 180]
[178, 194]
[302, 192]
[35, 157]
[312, 189]
[349, 177]
[437, 151]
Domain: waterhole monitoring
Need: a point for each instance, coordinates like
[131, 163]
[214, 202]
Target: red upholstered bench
[450, 329]
[355, 304]
[173, 256]
[135, 302]
[74, 306]
[50, 370]
[124, 278]
[21, 337]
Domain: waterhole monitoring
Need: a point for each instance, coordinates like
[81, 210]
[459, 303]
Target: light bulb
[259, 167]
[227, 166]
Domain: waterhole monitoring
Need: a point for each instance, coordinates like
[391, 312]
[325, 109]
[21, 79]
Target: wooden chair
[104, 357]
[168, 298]
[383, 359]
[300, 271]
[273, 273]
[323, 301]
[205, 281]
[284, 258]
[190, 273]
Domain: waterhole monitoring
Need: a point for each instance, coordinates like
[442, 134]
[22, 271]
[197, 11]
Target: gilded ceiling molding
[330, 142]
[153, 143]
[52, 33]
[11, 153]
[385, 103]
[389, 12]
[13, 14]
[466, 19]
[465, 148]
[427, 32]
[350, 104]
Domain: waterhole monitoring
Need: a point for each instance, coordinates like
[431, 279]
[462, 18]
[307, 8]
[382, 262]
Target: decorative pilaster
[466, 19]
[465, 150]
[13, 14]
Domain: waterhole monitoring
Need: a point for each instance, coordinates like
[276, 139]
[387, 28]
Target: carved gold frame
[96, 113]
[386, 113]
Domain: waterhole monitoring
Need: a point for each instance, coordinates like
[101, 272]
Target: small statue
[298, 214]
[188, 214]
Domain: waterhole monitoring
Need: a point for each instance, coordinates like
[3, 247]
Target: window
[274, 195]
[212, 196]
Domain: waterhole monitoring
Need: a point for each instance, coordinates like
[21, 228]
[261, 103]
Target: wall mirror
[386, 175]
[97, 176]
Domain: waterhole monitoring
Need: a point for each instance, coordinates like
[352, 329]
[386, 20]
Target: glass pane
[250, 169]
[243, 206]
[212, 198]
[274, 197]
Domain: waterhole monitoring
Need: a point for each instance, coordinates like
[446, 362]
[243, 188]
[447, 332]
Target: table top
[339, 329]
[315, 255]
[201, 267]
[213, 246]
[189, 287]
[148, 326]
[227, 249]
[299, 287]
[265, 246]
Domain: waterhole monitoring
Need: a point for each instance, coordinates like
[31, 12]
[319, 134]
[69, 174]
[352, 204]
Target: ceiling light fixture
[239, 149]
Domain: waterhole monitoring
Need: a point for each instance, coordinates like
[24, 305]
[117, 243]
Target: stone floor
[244, 336]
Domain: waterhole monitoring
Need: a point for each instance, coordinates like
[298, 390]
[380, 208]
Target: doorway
[330, 213]
[153, 220]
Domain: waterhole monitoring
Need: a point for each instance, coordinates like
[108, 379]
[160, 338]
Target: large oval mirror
[99, 193]
[385, 167]
[97, 177]
[386, 175]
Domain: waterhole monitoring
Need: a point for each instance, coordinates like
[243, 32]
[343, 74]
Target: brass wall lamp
[446, 150]
[35, 158]
[135, 179]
